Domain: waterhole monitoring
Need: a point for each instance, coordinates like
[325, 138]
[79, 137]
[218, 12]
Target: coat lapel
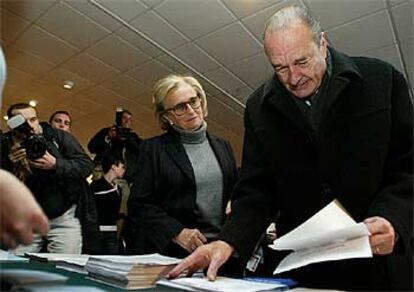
[177, 153]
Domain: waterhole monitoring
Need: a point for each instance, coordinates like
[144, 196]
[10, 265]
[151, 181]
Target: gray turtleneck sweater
[208, 178]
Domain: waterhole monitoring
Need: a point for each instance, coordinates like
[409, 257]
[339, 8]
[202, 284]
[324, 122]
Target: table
[73, 278]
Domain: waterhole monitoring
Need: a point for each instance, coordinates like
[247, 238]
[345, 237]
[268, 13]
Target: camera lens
[35, 147]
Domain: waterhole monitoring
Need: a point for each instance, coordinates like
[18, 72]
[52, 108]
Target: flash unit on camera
[16, 121]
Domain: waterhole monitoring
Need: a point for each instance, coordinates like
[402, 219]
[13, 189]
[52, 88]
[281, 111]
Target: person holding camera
[51, 163]
[20, 215]
[118, 140]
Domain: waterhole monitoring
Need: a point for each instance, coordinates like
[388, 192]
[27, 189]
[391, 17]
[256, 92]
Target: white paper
[76, 259]
[148, 259]
[331, 234]
[221, 284]
[5, 256]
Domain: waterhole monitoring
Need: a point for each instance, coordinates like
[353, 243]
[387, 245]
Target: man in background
[118, 140]
[61, 120]
[122, 142]
[54, 176]
[20, 215]
[325, 126]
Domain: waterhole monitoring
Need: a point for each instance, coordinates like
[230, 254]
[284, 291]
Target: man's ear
[323, 45]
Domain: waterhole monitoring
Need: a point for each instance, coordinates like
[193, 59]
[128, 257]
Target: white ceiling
[114, 51]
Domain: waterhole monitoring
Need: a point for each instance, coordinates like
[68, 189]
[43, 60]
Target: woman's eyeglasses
[181, 108]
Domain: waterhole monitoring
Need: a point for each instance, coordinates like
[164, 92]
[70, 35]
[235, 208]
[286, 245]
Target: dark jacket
[99, 146]
[163, 196]
[362, 155]
[56, 190]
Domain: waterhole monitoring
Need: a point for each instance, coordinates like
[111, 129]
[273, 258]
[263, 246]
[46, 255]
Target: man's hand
[47, 161]
[382, 238]
[17, 153]
[190, 239]
[212, 255]
[20, 215]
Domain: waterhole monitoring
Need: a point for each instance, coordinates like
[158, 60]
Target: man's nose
[294, 76]
[32, 128]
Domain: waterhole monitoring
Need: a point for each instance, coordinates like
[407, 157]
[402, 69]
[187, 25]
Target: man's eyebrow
[301, 59]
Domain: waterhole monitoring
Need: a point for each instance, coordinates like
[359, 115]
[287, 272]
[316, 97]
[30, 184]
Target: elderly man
[326, 126]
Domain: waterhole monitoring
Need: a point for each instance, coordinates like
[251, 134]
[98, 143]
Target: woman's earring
[168, 120]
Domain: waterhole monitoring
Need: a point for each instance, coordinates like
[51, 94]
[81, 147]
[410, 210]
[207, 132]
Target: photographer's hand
[17, 153]
[48, 161]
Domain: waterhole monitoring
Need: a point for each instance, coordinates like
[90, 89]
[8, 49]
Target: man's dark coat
[361, 154]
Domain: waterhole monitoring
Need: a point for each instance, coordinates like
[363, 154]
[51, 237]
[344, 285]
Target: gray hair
[168, 84]
[290, 15]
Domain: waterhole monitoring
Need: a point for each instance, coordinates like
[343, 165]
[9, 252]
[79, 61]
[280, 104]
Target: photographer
[52, 164]
[118, 140]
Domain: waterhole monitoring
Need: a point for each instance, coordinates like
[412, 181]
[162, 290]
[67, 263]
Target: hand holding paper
[331, 234]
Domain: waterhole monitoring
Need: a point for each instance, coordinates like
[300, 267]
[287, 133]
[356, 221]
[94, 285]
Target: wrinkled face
[126, 120]
[31, 117]
[62, 122]
[299, 62]
[185, 99]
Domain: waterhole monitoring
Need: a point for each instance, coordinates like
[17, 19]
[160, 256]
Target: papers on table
[6, 257]
[221, 284]
[130, 272]
[331, 234]
[71, 262]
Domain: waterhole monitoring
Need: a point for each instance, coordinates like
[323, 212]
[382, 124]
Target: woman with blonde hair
[185, 178]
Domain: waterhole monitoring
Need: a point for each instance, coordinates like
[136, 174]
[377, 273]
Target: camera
[121, 132]
[34, 144]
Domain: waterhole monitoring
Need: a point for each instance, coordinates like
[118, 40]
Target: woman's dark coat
[163, 196]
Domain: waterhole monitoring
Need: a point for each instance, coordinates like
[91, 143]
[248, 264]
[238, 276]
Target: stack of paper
[71, 262]
[331, 234]
[6, 257]
[130, 272]
[221, 284]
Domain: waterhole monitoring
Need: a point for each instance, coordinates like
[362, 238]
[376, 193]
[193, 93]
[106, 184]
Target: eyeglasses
[181, 108]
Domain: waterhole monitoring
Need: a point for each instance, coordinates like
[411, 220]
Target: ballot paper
[6, 257]
[70, 262]
[331, 234]
[221, 284]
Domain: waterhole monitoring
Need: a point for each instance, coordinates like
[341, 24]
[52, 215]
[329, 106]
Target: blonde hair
[168, 84]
